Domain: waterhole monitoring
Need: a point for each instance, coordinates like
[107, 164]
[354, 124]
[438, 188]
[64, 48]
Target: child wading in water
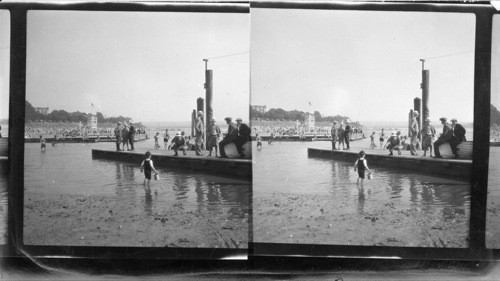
[147, 166]
[361, 166]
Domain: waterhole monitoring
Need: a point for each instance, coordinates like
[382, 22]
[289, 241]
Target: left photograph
[137, 129]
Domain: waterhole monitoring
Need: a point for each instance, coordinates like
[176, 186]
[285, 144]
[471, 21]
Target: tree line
[73, 117]
[294, 115]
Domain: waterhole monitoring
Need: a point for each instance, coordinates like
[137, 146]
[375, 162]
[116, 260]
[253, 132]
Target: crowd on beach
[68, 130]
[288, 129]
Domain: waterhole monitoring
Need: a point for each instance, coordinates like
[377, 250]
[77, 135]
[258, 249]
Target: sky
[362, 64]
[495, 63]
[145, 65]
[4, 63]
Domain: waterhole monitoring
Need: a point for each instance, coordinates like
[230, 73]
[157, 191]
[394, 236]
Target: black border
[265, 251]
[16, 247]
[479, 180]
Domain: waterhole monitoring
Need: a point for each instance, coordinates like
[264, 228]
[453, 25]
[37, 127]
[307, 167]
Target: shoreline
[100, 220]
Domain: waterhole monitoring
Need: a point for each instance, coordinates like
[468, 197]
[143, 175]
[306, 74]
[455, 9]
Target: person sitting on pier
[232, 134]
[458, 136]
[199, 129]
[125, 136]
[118, 135]
[393, 143]
[445, 137]
[428, 133]
[413, 133]
[213, 137]
[131, 136]
[178, 143]
[243, 136]
[335, 134]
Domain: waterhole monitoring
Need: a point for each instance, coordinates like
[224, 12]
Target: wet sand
[314, 219]
[99, 220]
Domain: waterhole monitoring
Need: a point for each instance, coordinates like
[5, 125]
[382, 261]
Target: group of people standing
[453, 134]
[341, 134]
[125, 135]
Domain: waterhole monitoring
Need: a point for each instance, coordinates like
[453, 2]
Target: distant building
[311, 120]
[42, 110]
[259, 108]
[92, 121]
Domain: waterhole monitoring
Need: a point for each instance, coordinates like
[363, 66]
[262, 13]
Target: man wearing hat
[335, 134]
[458, 136]
[118, 135]
[232, 134]
[445, 137]
[131, 136]
[347, 133]
[428, 133]
[199, 133]
[413, 134]
[178, 143]
[243, 136]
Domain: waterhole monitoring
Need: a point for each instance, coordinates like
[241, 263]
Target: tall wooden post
[193, 121]
[208, 96]
[425, 94]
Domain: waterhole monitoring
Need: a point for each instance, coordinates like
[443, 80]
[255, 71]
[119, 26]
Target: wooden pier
[225, 167]
[453, 168]
[295, 138]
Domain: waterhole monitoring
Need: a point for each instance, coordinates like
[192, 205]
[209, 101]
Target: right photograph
[363, 122]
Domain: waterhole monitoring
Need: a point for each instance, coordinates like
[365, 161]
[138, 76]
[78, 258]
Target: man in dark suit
[444, 137]
[231, 136]
[243, 136]
[131, 136]
[458, 136]
[347, 134]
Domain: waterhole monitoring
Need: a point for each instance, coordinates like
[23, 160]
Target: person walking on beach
[445, 137]
[125, 136]
[157, 145]
[232, 134]
[347, 134]
[258, 138]
[361, 166]
[118, 135]
[413, 134]
[382, 138]
[428, 133]
[43, 145]
[166, 138]
[131, 136]
[335, 134]
[243, 136]
[199, 133]
[213, 137]
[340, 135]
[458, 136]
[372, 141]
[147, 167]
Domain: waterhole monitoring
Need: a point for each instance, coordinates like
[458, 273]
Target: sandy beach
[98, 220]
[313, 219]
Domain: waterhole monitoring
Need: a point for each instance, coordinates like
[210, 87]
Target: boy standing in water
[147, 166]
[361, 166]
[43, 146]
